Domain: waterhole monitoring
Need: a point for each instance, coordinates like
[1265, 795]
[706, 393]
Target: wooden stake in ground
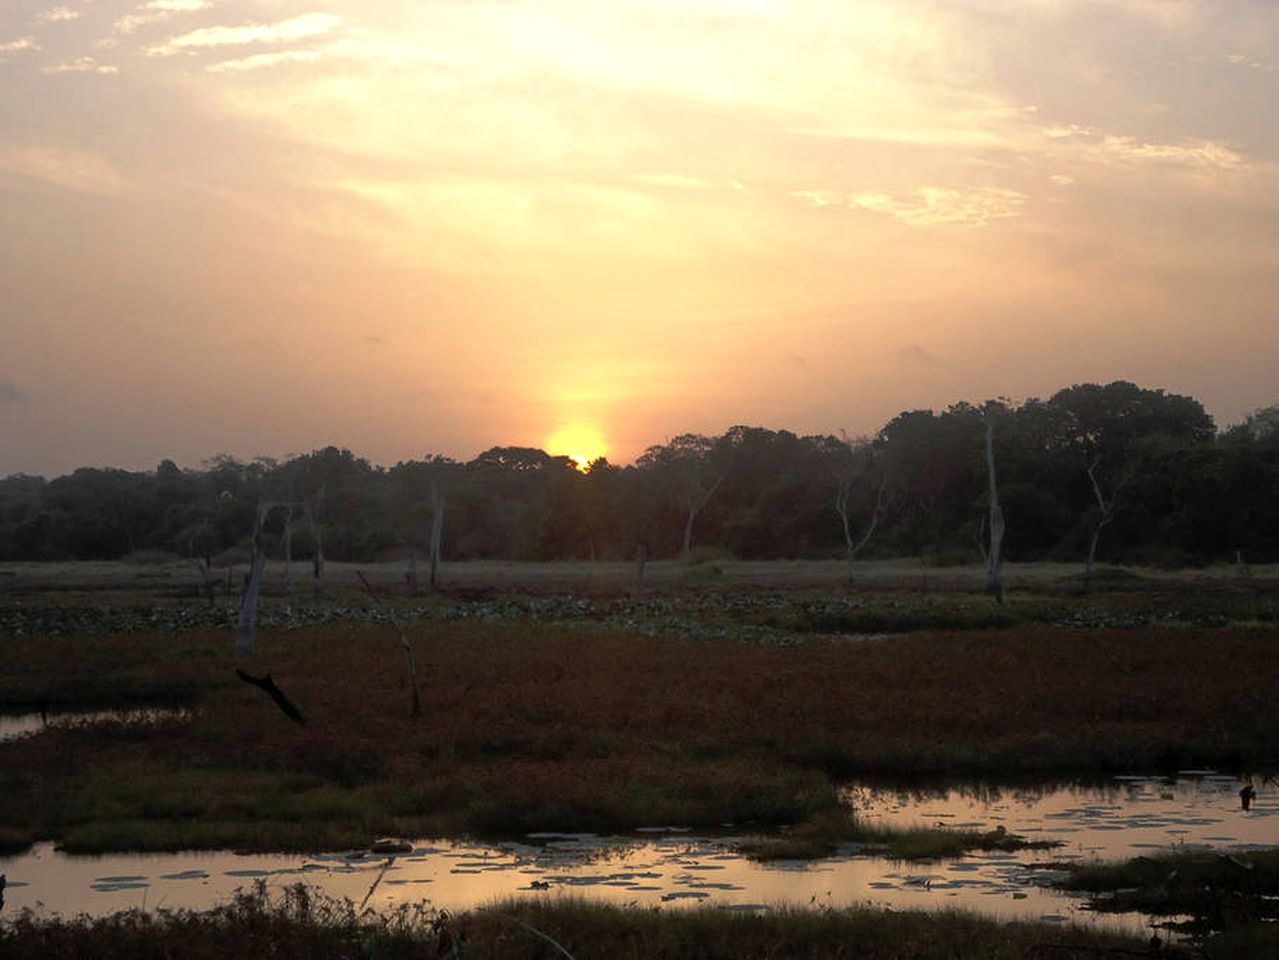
[416, 709]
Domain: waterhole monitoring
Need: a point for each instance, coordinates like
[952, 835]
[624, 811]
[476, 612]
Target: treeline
[1144, 474]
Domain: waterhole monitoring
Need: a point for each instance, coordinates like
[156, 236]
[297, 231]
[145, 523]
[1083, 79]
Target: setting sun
[580, 442]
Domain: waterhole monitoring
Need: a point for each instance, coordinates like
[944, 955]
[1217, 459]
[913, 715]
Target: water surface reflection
[668, 867]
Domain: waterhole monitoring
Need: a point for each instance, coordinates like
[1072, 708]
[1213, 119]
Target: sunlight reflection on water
[667, 867]
[13, 726]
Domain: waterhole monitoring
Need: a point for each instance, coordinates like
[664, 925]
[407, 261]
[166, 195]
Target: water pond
[668, 866]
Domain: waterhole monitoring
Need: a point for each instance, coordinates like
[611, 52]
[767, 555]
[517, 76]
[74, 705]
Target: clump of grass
[826, 833]
[300, 923]
[1218, 890]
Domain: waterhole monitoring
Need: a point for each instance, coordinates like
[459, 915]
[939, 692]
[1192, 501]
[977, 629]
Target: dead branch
[416, 709]
[266, 684]
[376, 880]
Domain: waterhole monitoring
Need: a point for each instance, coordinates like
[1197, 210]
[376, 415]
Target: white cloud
[1067, 131]
[178, 6]
[21, 43]
[927, 206]
[58, 15]
[70, 169]
[80, 65]
[263, 60]
[296, 28]
[1108, 148]
[157, 11]
[1195, 153]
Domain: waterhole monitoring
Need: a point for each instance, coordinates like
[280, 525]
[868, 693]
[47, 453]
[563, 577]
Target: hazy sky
[434, 226]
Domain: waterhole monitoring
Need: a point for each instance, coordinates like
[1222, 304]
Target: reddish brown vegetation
[528, 727]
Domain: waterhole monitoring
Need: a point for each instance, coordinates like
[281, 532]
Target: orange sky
[407, 228]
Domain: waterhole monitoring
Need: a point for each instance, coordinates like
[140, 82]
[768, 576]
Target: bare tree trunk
[206, 578]
[410, 573]
[852, 550]
[1107, 508]
[415, 709]
[994, 562]
[437, 534]
[317, 559]
[696, 500]
[246, 633]
[288, 548]
[641, 560]
[686, 551]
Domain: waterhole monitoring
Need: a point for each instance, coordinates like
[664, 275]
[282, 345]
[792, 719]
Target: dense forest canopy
[1149, 467]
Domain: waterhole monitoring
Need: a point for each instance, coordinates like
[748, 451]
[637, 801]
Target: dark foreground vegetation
[726, 716]
[1144, 475]
[1234, 896]
[300, 925]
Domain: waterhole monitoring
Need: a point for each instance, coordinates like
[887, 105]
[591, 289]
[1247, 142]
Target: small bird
[1247, 795]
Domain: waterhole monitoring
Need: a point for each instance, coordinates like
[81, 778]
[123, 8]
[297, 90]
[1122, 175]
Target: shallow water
[13, 726]
[668, 867]
[1125, 817]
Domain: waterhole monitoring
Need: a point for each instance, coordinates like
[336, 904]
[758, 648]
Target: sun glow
[580, 442]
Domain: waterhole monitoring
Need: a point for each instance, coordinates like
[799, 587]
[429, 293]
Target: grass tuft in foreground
[299, 924]
[1218, 891]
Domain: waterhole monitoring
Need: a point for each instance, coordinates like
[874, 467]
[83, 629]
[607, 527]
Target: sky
[259, 227]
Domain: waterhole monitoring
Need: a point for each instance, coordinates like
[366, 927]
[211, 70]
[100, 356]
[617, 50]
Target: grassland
[693, 703]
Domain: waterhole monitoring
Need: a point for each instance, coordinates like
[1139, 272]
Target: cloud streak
[927, 206]
[157, 11]
[58, 15]
[69, 169]
[20, 44]
[261, 61]
[80, 65]
[301, 27]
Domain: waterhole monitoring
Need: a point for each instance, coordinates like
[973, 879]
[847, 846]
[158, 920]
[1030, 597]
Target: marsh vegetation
[732, 699]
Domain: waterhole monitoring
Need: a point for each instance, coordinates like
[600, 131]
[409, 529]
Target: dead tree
[994, 559]
[415, 710]
[1106, 507]
[287, 576]
[246, 632]
[437, 534]
[206, 577]
[410, 572]
[697, 493]
[317, 560]
[853, 548]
